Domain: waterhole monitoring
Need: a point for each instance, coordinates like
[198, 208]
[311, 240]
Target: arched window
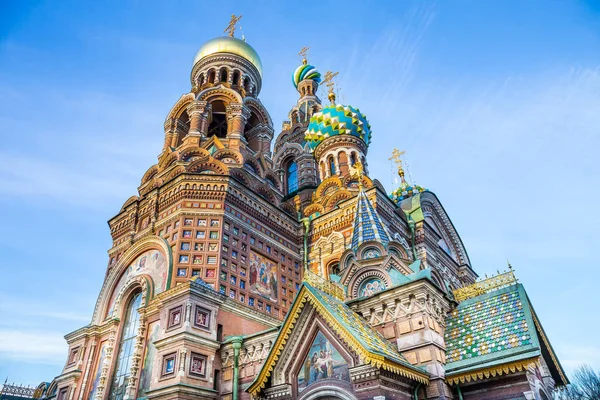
[331, 163]
[211, 76]
[223, 75]
[236, 77]
[334, 269]
[131, 323]
[292, 177]
[353, 159]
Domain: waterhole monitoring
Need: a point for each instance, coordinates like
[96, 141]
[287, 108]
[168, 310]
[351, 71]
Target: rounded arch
[327, 392]
[180, 106]
[129, 201]
[150, 173]
[235, 80]
[215, 166]
[273, 179]
[259, 109]
[398, 250]
[122, 266]
[365, 276]
[223, 74]
[193, 154]
[226, 156]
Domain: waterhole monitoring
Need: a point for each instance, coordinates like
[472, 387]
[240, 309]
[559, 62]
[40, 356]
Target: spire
[367, 225]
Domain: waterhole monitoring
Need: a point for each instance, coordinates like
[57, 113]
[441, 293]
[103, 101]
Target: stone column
[196, 111]
[169, 132]
[237, 115]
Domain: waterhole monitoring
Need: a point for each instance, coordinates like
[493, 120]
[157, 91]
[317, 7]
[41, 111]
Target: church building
[247, 269]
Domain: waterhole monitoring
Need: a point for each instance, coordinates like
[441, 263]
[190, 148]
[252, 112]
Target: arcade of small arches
[338, 162]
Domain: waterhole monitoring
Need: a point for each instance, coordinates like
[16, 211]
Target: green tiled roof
[494, 328]
[355, 325]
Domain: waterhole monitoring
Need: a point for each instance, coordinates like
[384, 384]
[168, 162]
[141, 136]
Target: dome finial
[303, 53]
[231, 27]
[397, 158]
[405, 190]
[329, 75]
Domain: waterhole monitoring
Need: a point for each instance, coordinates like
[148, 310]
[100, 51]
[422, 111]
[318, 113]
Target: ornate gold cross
[303, 53]
[231, 27]
[397, 157]
[328, 79]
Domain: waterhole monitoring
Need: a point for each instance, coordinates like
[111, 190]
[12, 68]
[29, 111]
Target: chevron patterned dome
[337, 120]
[305, 71]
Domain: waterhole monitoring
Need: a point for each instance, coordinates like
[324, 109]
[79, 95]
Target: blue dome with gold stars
[305, 71]
[335, 120]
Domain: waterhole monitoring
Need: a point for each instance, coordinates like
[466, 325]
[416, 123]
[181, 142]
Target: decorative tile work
[486, 325]
[367, 225]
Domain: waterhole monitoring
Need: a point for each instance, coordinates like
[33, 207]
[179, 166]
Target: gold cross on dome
[397, 157]
[328, 79]
[231, 27]
[303, 53]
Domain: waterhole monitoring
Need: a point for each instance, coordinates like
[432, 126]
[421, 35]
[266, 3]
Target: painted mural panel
[101, 357]
[146, 374]
[263, 276]
[322, 362]
[153, 263]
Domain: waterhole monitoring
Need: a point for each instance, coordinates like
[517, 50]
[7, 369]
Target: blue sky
[496, 103]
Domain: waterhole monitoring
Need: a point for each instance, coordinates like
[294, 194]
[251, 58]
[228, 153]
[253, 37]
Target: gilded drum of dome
[226, 44]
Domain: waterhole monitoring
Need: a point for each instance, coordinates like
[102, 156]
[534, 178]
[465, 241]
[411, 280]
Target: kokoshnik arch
[239, 271]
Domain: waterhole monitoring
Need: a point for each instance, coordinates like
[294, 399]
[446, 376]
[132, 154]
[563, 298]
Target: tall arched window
[353, 159]
[131, 323]
[292, 177]
[331, 166]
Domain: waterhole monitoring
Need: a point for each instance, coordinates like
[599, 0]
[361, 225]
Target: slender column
[237, 115]
[236, 343]
[197, 112]
[88, 367]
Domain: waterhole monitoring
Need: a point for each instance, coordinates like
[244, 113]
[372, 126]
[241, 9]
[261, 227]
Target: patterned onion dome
[405, 191]
[231, 45]
[305, 71]
[337, 120]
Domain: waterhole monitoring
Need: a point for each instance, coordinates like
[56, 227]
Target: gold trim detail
[485, 286]
[497, 370]
[367, 357]
[547, 343]
[323, 284]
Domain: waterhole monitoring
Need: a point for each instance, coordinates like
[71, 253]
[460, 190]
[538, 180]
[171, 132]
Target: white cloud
[38, 346]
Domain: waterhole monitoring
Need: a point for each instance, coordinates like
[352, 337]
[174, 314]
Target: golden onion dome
[231, 45]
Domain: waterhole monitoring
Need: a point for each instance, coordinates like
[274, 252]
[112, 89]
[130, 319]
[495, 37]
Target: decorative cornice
[485, 286]
[485, 373]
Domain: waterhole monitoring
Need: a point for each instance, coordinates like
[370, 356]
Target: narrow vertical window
[131, 323]
[331, 166]
[292, 177]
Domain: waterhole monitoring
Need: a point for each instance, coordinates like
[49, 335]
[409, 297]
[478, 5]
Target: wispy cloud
[25, 307]
[43, 347]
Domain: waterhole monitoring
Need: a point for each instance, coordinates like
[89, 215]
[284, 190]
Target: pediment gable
[315, 312]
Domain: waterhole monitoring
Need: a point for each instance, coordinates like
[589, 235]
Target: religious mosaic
[323, 361]
[263, 276]
[370, 287]
[153, 263]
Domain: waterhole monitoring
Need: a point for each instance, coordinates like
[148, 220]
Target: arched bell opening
[218, 121]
